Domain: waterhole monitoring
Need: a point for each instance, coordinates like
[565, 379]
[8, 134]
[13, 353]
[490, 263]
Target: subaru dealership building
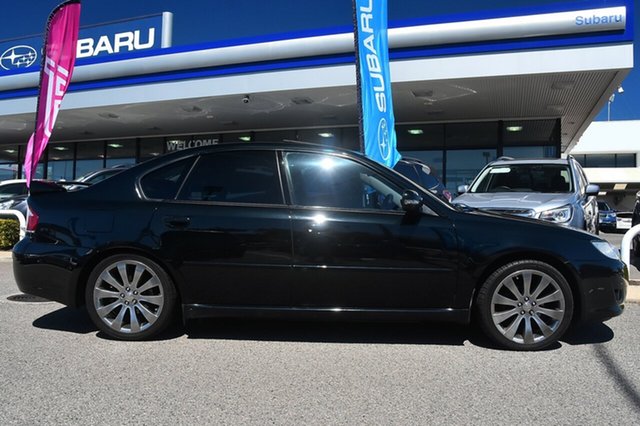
[467, 88]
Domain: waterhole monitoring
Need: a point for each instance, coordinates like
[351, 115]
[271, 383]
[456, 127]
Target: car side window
[322, 180]
[13, 190]
[163, 183]
[235, 177]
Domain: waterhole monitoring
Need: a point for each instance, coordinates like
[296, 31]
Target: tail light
[32, 219]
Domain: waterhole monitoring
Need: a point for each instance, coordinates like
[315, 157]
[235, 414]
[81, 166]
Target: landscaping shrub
[9, 233]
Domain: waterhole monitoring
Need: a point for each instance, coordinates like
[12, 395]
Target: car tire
[525, 305]
[130, 297]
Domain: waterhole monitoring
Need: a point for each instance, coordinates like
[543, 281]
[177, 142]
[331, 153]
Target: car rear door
[353, 246]
[228, 232]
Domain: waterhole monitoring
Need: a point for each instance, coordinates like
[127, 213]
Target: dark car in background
[606, 217]
[421, 174]
[294, 229]
[14, 192]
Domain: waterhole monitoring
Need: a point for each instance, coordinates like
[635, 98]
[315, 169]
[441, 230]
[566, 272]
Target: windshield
[603, 206]
[548, 178]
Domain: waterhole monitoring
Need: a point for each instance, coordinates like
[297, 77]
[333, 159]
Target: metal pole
[356, 43]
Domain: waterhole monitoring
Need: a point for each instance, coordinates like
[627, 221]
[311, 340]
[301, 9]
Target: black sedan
[292, 229]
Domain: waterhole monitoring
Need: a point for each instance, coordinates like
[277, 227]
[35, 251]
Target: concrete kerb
[633, 291]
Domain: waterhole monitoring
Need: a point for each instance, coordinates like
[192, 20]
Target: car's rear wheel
[525, 305]
[130, 297]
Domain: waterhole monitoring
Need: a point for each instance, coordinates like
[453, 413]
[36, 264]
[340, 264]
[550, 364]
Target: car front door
[227, 232]
[354, 247]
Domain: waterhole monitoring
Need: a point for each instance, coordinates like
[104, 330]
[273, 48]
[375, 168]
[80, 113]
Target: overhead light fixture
[108, 115]
[415, 131]
[209, 116]
[325, 135]
[245, 138]
[302, 100]
[563, 85]
[556, 108]
[426, 93]
[514, 128]
[619, 186]
[115, 145]
[602, 193]
[60, 148]
[191, 108]
[10, 151]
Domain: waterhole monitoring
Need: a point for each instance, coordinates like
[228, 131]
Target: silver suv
[555, 190]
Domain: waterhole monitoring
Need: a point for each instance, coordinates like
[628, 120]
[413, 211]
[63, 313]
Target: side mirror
[592, 190]
[462, 189]
[411, 201]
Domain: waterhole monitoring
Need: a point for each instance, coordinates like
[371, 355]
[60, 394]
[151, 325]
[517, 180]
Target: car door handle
[177, 221]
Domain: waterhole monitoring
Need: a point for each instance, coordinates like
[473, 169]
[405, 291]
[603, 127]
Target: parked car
[623, 221]
[13, 198]
[554, 190]
[420, 173]
[12, 188]
[635, 220]
[293, 229]
[95, 176]
[606, 217]
[636, 211]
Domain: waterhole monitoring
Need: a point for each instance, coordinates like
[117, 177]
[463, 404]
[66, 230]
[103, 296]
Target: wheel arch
[88, 267]
[561, 266]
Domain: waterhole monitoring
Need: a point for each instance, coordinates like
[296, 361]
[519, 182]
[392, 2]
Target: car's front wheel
[525, 305]
[130, 297]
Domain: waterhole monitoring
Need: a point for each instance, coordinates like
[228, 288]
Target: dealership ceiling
[574, 97]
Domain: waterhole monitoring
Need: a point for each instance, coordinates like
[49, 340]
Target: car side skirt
[193, 311]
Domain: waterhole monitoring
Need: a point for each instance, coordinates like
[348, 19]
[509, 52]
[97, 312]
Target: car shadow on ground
[70, 320]
[73, 320]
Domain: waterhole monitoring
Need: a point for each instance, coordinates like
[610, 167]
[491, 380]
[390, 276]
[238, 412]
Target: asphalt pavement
[56, 368]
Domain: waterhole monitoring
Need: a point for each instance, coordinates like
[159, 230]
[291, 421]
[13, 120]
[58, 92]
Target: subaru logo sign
[18, 57]
[384, 144]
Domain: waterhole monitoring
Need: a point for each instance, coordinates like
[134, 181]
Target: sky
[198, 21]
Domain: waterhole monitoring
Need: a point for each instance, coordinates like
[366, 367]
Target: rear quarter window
[163, 183]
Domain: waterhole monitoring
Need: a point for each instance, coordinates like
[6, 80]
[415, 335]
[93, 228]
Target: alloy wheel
[528, 306]
[128, 296]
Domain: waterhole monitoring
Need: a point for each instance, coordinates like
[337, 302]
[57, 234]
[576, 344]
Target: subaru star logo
[18, 57]
[383, 139]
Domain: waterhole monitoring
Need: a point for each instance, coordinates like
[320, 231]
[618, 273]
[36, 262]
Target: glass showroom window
[464, 165]
[151, 148]
[90, 157]
[39, 170]
[324, 136]
[60, 164]
[531, 138]
[9, 162]
[121, 152]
